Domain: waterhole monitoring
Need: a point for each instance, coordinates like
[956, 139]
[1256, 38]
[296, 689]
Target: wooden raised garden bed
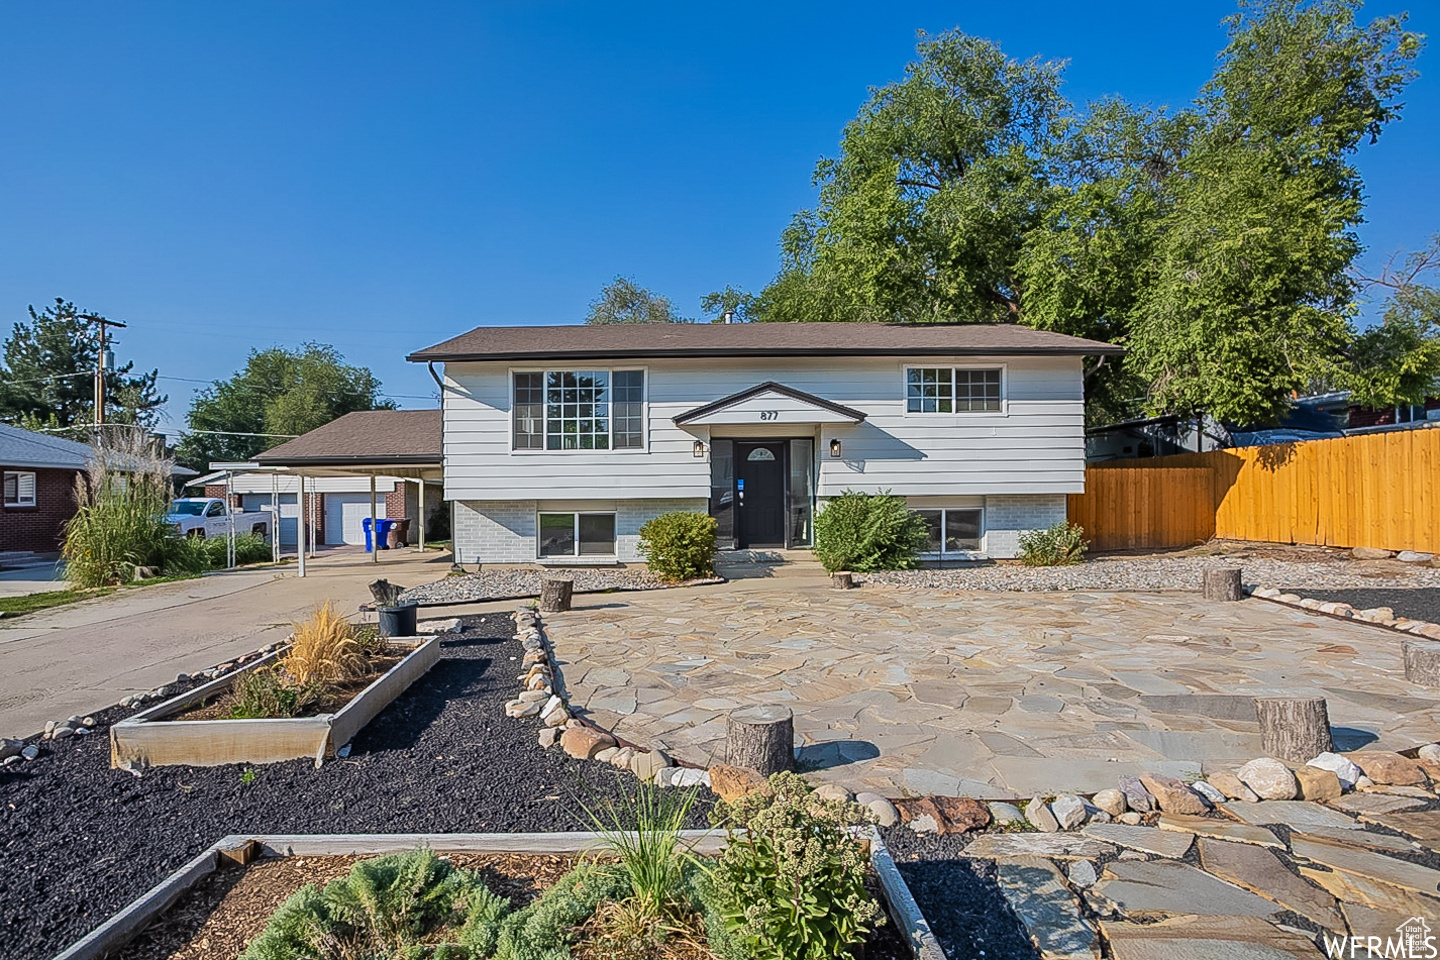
[150, 737]
[110, 937]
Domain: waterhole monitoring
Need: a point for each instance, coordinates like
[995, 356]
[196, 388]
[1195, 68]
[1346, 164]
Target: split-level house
[560, 442]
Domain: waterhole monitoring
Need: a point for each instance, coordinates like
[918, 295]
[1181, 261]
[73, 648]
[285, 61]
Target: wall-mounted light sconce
[835, 449]
[699, 449]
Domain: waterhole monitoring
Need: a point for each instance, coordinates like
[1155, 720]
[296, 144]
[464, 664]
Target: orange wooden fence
[1372, 490]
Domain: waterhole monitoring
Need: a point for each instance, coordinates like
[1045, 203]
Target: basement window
[576, 535]
[951, 531]
[19, 489]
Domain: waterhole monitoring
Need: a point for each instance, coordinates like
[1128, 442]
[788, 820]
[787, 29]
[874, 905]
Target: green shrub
[792, 885]
[679, 546]
[262, 694]
[249, 548]
[1061, 545]
[404, 905]
[864, 531]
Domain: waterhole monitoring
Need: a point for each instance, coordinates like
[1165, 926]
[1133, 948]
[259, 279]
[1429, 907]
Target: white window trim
[542, 451]
[905, 369]
[972, 553]
[18, 503]
[577, 556]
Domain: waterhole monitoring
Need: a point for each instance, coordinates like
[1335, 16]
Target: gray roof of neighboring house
[26, 448]
[41, 451]
[617, 340]
[366, 436]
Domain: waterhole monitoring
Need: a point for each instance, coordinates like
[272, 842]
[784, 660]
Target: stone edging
[543, 696]
[1380, 616]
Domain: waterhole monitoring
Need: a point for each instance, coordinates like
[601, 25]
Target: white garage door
[345, 513]
[289, 513]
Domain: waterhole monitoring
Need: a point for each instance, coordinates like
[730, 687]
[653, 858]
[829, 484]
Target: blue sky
[382, 176]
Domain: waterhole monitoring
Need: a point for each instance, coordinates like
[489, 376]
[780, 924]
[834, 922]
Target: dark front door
[760, 492]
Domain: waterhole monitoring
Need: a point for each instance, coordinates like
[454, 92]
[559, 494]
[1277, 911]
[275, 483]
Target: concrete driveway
[86, 656]
[982, 694]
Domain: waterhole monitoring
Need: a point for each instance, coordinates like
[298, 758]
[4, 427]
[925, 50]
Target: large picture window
[951, 531]
[952, 390]
[19, 489]
[579, 410]
[576, 535]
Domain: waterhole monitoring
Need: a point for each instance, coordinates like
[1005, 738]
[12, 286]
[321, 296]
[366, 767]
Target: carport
[404, 444]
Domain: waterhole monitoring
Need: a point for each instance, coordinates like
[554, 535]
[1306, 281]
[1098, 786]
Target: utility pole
[100, 365]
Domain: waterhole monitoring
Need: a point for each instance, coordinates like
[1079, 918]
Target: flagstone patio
[980, 694]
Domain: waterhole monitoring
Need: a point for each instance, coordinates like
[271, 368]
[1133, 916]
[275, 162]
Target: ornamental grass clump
[121, 500]
[792, 884]
[1062, 545]
[324, 651]
[868, 531]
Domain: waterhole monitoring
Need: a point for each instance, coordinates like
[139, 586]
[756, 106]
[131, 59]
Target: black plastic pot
[398, 621]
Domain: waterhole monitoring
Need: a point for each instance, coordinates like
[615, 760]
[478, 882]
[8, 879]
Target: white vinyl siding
[1034, 446]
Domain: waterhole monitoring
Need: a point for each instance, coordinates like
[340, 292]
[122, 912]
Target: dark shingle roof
[580, 342]
[369, 436]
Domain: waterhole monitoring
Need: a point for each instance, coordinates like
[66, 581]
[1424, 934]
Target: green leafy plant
[247, 776]
[262, 694]
[792, 884]
[868, 531]
[679, 546]
[404, 905]
[249, 548]
[1061, 545]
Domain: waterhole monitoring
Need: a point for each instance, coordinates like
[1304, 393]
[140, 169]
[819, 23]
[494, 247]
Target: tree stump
[842, 580]
[761, 739]
[1422, 662]
[555, 595]
[1293, 728]
[1223, 583]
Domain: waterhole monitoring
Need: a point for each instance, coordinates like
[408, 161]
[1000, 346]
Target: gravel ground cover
[78, 840]
[514, 584]
[1417, 603]
[1168, 573]
[958, 896]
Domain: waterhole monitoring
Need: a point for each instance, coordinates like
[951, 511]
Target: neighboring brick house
[39, 486]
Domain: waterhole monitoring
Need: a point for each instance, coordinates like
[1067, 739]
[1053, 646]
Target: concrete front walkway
[983, 694]
[83, 657]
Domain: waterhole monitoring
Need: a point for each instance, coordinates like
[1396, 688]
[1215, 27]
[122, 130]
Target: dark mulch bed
[1417, 603]
[959, 896]
[78, 840]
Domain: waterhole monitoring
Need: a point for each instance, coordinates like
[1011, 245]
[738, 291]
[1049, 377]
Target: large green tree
[279, 392]
[622, 300]
[1215, 241]
[48, 376]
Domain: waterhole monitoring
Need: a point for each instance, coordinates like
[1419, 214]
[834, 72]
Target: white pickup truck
[208, 517]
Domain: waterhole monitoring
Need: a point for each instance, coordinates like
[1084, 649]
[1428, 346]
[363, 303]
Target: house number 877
[769, 414]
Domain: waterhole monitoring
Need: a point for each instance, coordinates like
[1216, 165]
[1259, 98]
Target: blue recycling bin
[383, 538]
[369, 540]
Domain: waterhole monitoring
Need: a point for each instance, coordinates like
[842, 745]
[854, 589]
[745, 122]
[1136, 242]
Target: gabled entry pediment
[770, 402]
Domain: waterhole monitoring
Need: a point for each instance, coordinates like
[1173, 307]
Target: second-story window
[952, 390]
[579, 410]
